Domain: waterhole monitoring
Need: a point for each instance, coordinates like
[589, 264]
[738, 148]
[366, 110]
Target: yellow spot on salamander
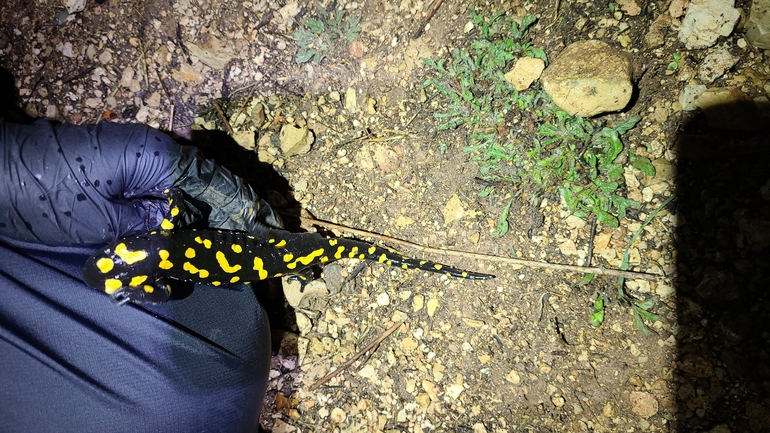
[324, 259]
[306, 260]
[189, 267]
[111, 285]
[388, 262]
[203, 273]
[138, 280]
[174, 211]
[190, 253]
[105, 265]
[372, 249]
[272, 241]
[281, 243]
[259, 267]
[215, 283]
[164, 263]
[198, 239]
[338, 254]
[382, 258]
[422, 262]
[129, 257]
[149, 289]
[222, 260]
[353, 252]
[166, 224]
[464, 274]
[234, 279]
[288, 257]
[236, 248]
[207, 243]
[332, 242]
[362, 256]
[438, 266]
[278, 275]
[404, 266]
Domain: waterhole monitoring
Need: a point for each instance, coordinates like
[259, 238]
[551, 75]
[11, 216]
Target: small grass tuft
[327, 34]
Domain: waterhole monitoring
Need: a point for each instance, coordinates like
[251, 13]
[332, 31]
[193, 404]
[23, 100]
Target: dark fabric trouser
[70, 361]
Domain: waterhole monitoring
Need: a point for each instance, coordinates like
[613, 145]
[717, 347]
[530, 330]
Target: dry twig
[223, 118]
[361, 353]
[432, 12]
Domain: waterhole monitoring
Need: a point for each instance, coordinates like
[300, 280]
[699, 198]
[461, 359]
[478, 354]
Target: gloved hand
[64, 184]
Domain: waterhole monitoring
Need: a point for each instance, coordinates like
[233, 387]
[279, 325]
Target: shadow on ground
[723, 194]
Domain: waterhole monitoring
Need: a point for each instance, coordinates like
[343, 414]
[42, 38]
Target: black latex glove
[85, 185]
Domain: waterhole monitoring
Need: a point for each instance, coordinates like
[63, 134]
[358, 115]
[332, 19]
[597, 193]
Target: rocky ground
[517, 353]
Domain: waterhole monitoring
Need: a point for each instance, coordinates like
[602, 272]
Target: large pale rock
[705, 21]
[589, 78]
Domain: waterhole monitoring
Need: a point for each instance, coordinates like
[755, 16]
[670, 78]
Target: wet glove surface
[87, 185]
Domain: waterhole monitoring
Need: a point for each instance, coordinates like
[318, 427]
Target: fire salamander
[137, 268]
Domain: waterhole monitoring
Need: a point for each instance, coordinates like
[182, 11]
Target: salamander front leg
[151, 293]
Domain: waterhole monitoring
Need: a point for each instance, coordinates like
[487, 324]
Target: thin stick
[223, 118]
[591, 237]
[433, 10]
[171, 119]
[486, 257]
[361, 353]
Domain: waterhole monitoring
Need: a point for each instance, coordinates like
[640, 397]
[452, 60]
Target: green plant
[502, 222]
[673, 65]
[640, 306]
[569, 154]
[318, 38]
[600, 194]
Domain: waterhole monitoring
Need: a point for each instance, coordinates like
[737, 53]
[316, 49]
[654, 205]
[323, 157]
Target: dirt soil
[516, 353]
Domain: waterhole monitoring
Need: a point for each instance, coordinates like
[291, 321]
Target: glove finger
[140, 215]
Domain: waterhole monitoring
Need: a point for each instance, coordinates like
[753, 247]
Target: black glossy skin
[136, 268]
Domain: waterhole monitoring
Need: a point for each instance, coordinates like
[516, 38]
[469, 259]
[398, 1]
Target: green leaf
[502, 222]
[315, 26]
[639, 323]
[597, 316]
[642, 164]
[527, 21]
[646, 304]
[628, 124]
[303, 55]
[585, 279]
[606, 218]
[646, 315]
